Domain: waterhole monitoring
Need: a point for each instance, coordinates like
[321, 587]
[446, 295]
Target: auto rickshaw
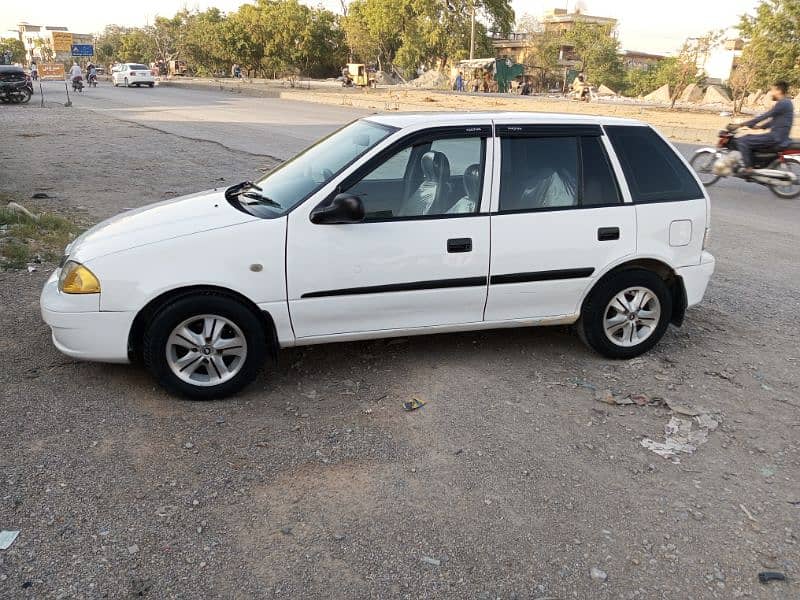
[357, 74]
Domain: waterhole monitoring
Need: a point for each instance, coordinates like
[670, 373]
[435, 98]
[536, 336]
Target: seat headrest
[472, 182]
[435, 166]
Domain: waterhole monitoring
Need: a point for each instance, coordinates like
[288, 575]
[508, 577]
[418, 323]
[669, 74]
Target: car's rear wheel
[626, 314]
[204, 346]
[150, 84]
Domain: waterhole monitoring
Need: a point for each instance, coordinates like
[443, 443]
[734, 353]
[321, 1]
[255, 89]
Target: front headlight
[77, 279]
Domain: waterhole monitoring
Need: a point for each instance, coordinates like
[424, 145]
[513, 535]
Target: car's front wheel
[626, 314]
[205, 346]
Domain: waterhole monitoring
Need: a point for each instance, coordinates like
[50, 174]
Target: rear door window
[653, 170]
[541, 173]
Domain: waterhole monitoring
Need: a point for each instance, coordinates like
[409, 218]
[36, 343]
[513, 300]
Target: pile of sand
[431, 80]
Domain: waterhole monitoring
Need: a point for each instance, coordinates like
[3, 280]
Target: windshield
[296, 179]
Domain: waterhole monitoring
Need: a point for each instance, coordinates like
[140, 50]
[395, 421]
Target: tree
[684, 70]
[744, 79]
[15, 48]
[772, 42]
[597, 49]
[542, 51]
[410, 33]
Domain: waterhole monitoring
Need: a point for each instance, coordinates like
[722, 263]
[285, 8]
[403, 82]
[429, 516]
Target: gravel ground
[513, 481]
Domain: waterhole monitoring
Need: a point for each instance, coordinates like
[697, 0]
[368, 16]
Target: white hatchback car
[396, 225]
[132, 74]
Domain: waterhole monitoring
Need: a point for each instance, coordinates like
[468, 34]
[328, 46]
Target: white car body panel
[552, 241]
[304, 275]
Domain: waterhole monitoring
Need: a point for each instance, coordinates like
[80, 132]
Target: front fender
[706, 149]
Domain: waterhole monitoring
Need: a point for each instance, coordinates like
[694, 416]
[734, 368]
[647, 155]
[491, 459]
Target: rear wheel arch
[671, 278]
[146, 315]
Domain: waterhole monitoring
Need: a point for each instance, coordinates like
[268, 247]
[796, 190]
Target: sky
[644, 25]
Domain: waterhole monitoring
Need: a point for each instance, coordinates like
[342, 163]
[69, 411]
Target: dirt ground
[513, 481]
[698, 125]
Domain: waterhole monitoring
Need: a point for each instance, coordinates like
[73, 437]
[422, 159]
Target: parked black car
[16, 86]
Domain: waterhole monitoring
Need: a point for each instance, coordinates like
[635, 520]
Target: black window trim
[537, 131]
[431, 134]
[634, 201]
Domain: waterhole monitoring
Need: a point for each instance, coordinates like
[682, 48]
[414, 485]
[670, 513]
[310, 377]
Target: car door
[420, 258]
[560, 220]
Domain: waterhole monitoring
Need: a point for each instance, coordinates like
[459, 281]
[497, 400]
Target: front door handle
[606, 234]
[459, 245]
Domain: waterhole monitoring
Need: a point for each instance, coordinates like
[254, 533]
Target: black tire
[591, 325]
[786, 192]
[150, 85]
[157, 334]
[706, 178]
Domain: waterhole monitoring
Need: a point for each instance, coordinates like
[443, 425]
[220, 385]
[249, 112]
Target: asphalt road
[513, 481]
[280, 128]
[264, 126]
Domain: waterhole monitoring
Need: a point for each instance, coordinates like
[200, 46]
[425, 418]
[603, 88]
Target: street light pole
[472, 34]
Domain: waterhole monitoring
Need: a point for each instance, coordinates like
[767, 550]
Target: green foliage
[270, 37]
[598, 50]
[772, 37]
[410, 33]
[25, 237]
[15, 46]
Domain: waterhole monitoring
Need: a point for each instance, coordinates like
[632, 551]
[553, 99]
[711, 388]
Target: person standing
[34, 71]
[459, 82]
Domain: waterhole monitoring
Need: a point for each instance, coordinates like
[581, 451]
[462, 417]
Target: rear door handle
[606, 234]
[459, 245]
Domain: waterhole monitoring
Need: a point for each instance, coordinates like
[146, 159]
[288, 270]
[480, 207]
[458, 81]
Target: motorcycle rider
[75, 71]
[779, 119]
[91, 73]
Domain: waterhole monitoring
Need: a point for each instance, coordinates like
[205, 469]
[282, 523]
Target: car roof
[11, 68]
[433, 118]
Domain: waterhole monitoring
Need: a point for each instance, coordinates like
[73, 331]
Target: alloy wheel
[206, 350]
[631, 316]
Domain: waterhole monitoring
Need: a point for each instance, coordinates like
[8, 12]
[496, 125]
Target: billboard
[82, 50]
[51, 70]
[62, 41]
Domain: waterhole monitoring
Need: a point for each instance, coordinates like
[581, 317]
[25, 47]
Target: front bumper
[80, 330]
[696, 278]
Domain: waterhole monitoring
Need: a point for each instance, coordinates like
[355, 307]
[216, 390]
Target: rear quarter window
[652, 169]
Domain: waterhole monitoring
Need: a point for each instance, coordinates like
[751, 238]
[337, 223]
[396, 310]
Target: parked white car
[396, 225]
[132, 74]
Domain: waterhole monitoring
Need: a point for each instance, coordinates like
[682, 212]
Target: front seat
[472, 185]
[433, 189]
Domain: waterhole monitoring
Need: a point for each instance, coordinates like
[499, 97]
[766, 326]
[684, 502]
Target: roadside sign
[51, 70]
[82, 49]
[62, 41]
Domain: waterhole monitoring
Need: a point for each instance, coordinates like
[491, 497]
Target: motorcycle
[777, 168]
[92, 80]
[18, 93]
[77, 84]
[15, 87]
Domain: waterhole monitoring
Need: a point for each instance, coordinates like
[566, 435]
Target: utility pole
[472, 34]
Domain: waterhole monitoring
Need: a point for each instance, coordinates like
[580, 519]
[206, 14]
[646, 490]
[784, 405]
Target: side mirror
[344, 208]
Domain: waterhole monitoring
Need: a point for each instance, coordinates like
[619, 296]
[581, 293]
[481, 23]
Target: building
[515, 46]
[558, 20]
[633, 59]
[49, 43]
[719, 62]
